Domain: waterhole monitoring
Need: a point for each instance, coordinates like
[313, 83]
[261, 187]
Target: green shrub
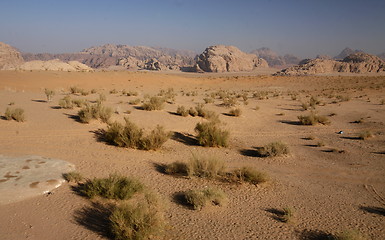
[313, 119]
[154, 103]
[49, 94]
[182, 111]
[113, 187]
[210, 135]
[16, 114]
[66, 102]
[273, 149]
[129, 135]
[248, 174]
[236, 112]
[200, 198]
[141, 220]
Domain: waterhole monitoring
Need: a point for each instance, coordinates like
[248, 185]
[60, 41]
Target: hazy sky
[301, 27]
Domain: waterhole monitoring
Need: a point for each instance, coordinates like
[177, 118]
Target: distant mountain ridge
[273, 59]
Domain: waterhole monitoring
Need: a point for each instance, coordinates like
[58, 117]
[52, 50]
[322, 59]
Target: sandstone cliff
[9, 57]
[222, 58]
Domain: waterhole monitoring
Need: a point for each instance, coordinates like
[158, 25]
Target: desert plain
[332, 180]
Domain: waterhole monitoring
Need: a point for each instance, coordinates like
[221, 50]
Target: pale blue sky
[300, 27]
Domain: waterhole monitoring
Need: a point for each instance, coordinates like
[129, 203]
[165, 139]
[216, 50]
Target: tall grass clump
[154, 103]
[114, 187]
[211, 135]
[131, 136]
[273, 149]
[16, 114]
[137, 220]
[313, 119]
[201, 197]
[73, 177]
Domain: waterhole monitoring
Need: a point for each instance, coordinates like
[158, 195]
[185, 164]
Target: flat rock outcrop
[355, 63]
[53, 65]
[9, 57]
[223, 58]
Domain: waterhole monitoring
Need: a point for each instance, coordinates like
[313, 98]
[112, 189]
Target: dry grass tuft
[274, 149]
[236, 112]
[211, 135]
[313, 119]
[205, 167]
[154, 103]
[49, 93]
[114, 187]
[16, 114]
[66, 102]
[96, 111]
[248, 174]
[140, 220]
[350, 235]
[182, 111]
[73, 177]
[130, 135]
[365, 135]
[200, 198]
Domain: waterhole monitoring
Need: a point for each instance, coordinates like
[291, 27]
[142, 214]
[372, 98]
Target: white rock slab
[29, 176]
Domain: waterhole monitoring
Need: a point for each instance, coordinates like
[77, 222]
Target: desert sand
[335, 187]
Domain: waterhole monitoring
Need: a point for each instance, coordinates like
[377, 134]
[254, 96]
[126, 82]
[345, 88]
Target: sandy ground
[330, 191]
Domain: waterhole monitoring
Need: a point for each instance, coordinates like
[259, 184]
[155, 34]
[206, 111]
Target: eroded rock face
[354, 63]
[53, 65]
[9, 57]
[222, 58]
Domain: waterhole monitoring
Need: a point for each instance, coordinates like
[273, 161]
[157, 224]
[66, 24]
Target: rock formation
[354, 63]
[222, 58]
[9, 57]
[273, 59]
[53, 65]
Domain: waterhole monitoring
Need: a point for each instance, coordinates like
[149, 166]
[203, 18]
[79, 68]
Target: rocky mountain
[382, 56]
[354, 63]
[9, 56]
[346, 52]
[222, 58]
[133, 57]
[54, 65]
[273, 59]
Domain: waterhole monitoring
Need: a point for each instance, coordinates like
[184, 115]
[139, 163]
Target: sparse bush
[168, 95]
[182, 111]
[16, 114]
[49, 93]
[288, 215]
[320, 144]
[129, 135]
[313, 119]
[256, 108]
[96, 111]
[236, 112]
[229, 101]
[193, 112]
[314, 101]
[200, 198]
[365, 135]
[93, 91]
[248, 174]
[66, 102]
[73, 177]
[139, 221]
[176, 168]
[273, 149]
[210, 135]
[79, 102]
[382, 102]
[208, 100]
[84, 92]
[134, 101]
[205, 167]
[261, 95]
[154, 103]
[113, 187]
[113, 91]
[102, 97]
[305, 106]
[75, 90]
